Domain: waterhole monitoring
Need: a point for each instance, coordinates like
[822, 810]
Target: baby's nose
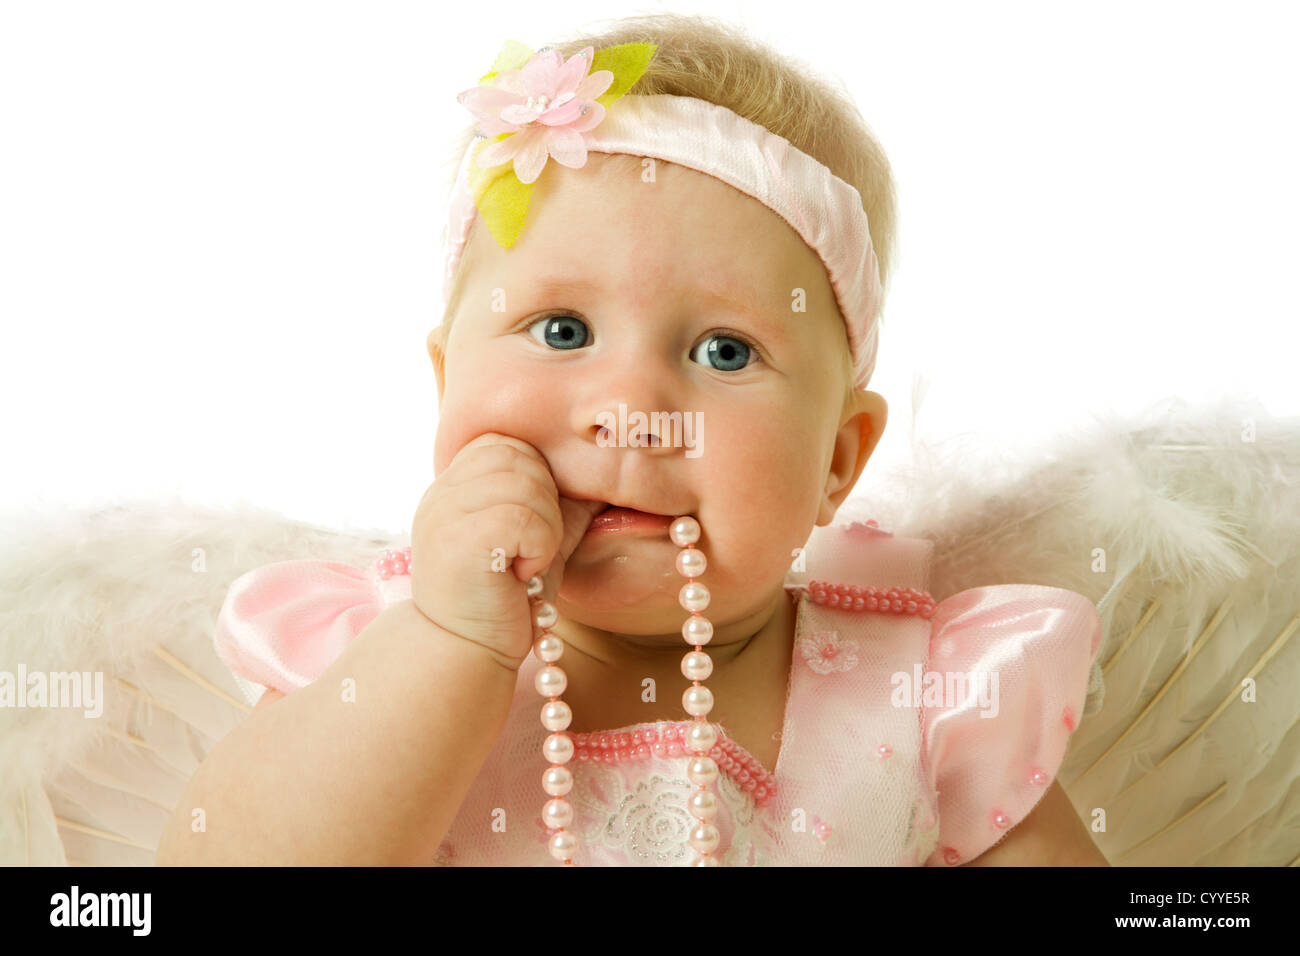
[625, 430]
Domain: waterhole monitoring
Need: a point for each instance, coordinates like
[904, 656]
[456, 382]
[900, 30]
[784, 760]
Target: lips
[609, 505]
[615, 519]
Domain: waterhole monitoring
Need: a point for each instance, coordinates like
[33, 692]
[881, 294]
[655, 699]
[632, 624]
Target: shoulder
[1052, 835]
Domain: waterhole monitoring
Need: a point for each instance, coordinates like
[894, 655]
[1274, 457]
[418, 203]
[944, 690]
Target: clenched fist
[496, 503]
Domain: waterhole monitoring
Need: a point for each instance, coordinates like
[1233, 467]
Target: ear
[860, 431]
[437, 346]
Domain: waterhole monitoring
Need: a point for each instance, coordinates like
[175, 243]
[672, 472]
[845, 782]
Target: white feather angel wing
[1183, 526]
[131, 593]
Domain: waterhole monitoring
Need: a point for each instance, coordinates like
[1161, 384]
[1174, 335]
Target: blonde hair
[716, 61]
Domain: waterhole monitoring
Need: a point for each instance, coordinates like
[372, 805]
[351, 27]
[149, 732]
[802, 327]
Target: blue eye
[560, 331]
[731, 353]
[722, 351]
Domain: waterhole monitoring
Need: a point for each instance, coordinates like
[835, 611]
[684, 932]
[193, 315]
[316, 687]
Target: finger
[516, 512]
[577, 514]
[492, 452]
[505, 458]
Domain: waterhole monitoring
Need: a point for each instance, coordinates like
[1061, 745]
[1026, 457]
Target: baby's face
[677, 295]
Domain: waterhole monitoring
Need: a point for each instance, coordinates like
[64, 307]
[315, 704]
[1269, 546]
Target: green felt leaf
[627, 62]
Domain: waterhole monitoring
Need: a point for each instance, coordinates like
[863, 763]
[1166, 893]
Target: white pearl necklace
[557, 780]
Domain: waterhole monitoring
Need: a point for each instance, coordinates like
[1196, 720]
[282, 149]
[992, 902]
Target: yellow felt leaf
[513, 56]
[505, 208]
[627, 62]
[501, 199]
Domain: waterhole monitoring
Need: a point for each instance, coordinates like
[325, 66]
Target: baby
[637, 290]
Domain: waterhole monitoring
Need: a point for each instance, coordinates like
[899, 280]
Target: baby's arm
[315, 779]
[1052, 835]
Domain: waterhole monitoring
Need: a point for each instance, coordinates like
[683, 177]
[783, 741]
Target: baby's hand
[490, 521]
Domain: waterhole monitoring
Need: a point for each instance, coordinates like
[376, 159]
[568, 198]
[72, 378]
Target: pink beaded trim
[394, 562]
[852, 597]
[667, 741]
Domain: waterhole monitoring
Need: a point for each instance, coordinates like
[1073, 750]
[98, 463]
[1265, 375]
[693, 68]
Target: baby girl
[602, 302]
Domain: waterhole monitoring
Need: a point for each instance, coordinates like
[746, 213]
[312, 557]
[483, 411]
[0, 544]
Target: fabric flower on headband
[537, 106]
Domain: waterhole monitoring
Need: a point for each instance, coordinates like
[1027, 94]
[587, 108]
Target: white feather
[131, 591]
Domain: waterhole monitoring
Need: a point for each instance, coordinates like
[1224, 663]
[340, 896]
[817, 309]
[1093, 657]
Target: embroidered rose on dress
[825, 654]
[653, 824]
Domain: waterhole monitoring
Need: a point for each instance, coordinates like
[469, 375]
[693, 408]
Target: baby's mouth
[617, 519]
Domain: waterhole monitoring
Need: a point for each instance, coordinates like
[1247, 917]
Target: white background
[219, 225]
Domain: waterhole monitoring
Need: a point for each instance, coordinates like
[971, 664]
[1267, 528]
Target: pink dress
[906, 740]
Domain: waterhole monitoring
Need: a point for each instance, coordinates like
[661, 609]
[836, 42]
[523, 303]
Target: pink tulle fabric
[886, 757]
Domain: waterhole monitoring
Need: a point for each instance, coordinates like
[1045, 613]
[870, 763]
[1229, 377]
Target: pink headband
[823, 209]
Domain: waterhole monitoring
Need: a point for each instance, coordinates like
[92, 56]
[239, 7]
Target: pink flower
[548, 104]
[823, 652]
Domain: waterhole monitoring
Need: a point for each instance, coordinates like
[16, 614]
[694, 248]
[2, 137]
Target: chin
[610, 588]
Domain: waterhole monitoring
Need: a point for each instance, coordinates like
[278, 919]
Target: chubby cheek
[488, 394]
[761, 479]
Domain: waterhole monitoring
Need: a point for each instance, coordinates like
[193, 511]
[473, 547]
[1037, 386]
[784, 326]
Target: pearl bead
[557, 781]
[698, 701]
[548, 648]
[697, 630]
[550, 681]
[564, 845]
[701, 737]
[556, 715]
[705, 838]
[557, 748]
[693, 596]
[691, 563]
[703, 805]
[1038, 777]
[685, 531]
[535, 586]
[951, 856]
[706, 861]
[883, 751]
[557, 813]
[702, 771]
[544, 614]
[1001, 820]
[697, 665]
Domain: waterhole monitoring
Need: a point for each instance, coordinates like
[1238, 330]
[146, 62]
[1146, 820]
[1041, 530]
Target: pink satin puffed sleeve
[283, 624]
[1003, 691]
